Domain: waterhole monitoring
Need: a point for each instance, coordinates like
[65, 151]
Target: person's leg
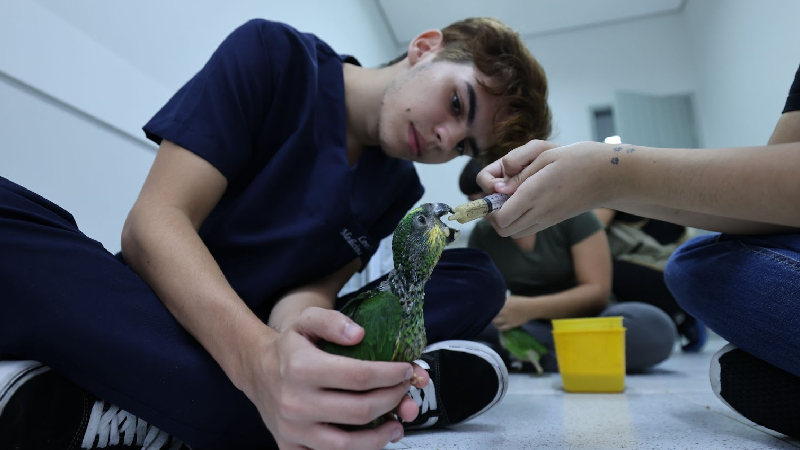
[747, 290]
[649, 337]
[70, 304]
[465, 292]
[650, 334]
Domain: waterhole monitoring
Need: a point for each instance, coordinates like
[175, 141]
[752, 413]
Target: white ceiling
[407, 18]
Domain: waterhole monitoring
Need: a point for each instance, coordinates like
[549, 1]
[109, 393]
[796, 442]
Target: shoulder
[581, 226]
[276, 40]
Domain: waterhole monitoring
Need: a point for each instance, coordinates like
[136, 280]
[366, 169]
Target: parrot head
[419, 240]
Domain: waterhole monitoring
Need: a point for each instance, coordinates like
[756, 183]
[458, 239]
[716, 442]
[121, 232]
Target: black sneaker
[467, 379]
[759, 391]
[41, 410]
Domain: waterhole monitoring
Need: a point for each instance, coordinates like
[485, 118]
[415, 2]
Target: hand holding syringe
[478, 208]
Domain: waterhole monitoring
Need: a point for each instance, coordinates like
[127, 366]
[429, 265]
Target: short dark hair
[467, 182]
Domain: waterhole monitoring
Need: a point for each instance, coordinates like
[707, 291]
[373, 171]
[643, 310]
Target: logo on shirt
[355, 243]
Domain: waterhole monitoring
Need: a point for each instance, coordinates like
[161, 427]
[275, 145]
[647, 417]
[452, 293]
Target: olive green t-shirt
[549, 267]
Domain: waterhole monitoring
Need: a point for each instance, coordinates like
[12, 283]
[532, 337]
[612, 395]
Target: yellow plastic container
[591, 353]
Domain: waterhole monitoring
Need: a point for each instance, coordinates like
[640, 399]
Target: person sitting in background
[640, 248]
[561, 272]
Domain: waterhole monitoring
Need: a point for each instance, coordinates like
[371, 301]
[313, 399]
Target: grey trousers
[650, 336]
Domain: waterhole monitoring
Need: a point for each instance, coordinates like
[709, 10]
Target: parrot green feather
[523, 346]
[391, 314]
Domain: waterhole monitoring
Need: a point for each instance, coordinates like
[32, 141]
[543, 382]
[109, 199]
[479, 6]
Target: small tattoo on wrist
[615, 161]
[616, 149]
[631, 150]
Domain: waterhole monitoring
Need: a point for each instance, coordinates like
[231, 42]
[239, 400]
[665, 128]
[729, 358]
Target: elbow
[129, 239]
[599, 299]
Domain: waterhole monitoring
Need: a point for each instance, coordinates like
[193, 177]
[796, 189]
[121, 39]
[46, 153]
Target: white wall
[745, 53]
[584, 68]
[78, 79]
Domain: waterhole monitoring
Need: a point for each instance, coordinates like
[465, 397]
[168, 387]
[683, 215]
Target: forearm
[162, 246]
[321, 293]
[293, 304]
[605, 215]
[582, 300]
[744, 190]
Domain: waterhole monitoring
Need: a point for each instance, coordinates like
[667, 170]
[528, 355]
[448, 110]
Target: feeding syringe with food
[478, 208]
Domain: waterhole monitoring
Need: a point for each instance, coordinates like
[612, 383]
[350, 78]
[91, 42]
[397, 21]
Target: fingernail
[409, 373]
[501, 185]
[398, 433]
[350, 330]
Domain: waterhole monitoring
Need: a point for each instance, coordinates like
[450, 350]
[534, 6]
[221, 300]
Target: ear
[429, 42]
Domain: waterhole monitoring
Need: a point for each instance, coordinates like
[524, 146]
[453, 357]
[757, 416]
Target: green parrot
[391, 314]
[523, 347]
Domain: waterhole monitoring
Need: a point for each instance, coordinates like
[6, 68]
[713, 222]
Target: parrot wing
[379, 313]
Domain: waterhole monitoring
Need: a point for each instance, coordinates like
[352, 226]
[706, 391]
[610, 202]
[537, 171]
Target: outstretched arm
[737, 190]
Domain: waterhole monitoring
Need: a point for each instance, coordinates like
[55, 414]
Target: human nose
[448, 135]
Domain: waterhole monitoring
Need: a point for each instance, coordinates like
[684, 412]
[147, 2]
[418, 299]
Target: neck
[409, 291]
[363, 92]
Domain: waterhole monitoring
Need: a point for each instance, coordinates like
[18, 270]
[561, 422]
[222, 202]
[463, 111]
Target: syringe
[478, 208]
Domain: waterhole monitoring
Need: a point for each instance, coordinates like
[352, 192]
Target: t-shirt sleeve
[793, 100]
[582, 226]
[218, 113]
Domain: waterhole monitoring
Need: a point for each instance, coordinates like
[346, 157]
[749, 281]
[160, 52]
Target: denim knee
[686, 270]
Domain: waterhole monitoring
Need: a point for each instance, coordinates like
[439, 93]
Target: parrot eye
[421, 220]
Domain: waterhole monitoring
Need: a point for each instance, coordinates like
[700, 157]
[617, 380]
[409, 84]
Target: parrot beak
[440, 209]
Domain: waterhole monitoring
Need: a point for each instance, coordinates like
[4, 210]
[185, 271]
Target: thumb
[521, 163]
[333, 326]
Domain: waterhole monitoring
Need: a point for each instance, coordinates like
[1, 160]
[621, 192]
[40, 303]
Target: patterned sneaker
[39, 409]
[759, 391]
[457, 368]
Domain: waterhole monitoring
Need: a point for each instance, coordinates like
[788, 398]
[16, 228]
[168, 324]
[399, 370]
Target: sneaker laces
[109, 426]
[425, 397]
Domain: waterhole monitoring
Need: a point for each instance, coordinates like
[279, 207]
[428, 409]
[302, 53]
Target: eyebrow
[473, 106]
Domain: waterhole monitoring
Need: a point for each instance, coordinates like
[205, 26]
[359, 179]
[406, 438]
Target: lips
[415, 141]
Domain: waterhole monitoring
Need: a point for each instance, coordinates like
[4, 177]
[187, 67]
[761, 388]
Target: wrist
[246, 352]
[623, 169]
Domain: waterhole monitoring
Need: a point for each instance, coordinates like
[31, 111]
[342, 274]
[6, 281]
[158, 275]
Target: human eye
[461, 147]
[455, 102]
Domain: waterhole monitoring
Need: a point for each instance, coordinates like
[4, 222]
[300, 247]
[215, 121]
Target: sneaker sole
[487, 354]
[14, 374]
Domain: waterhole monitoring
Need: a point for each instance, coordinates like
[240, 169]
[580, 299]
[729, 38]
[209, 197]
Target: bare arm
[606, 215]
[592, 261]
[787, 130]
[738, 190]
[744, 190]
[321, 294]
[161, 244]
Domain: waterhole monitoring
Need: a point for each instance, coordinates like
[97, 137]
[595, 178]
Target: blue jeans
[746, 289]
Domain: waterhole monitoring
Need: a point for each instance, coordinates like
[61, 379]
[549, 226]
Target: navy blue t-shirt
[793, 99]
[268, 111]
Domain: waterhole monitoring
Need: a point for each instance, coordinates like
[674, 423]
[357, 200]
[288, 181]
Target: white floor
[671, 408]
